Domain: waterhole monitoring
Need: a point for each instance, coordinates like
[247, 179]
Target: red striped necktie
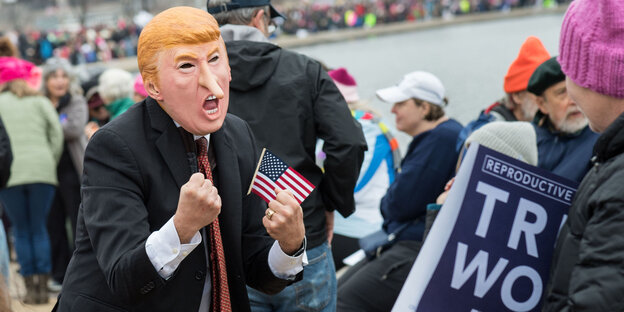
[220, 289]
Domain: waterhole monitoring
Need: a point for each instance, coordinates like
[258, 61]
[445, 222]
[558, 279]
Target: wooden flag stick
[256, 173]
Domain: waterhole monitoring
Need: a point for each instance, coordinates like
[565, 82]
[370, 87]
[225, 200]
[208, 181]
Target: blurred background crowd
[99, 31]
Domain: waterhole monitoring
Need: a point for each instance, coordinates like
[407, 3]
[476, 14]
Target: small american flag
[273, 173]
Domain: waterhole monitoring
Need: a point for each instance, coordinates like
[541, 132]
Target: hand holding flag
[284, 217]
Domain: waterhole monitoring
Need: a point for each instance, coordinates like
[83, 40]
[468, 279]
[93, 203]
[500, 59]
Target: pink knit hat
[591, 48]
[345, 83]
[12, 68]
[138, 86]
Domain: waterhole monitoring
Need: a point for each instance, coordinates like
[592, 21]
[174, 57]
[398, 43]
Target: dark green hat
[546, 75]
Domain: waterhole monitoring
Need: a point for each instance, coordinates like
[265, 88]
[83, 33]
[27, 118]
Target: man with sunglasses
[289, 102]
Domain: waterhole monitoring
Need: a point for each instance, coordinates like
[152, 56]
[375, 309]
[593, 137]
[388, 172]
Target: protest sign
[491, 245]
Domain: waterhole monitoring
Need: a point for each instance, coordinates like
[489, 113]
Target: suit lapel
[229, 187]
[169, 143]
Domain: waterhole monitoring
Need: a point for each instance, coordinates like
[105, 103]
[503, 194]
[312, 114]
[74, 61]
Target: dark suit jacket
[134, 168]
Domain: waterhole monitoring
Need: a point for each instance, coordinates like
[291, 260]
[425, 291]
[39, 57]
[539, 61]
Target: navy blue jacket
[567, 155]
[429, 163]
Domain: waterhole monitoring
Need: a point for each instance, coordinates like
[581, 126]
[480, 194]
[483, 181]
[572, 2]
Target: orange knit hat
[532, 54]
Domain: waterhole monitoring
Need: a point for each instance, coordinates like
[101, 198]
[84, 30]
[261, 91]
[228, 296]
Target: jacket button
[151, 285]
[144, 291]
[199, 275]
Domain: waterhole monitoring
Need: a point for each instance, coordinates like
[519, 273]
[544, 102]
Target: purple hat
[591, 48]
[345, 83]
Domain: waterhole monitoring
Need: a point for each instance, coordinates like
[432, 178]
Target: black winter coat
[289, 102]
[6, 156]
[588, 265]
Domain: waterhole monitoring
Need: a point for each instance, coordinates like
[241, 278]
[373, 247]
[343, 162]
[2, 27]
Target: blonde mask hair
[173, 27]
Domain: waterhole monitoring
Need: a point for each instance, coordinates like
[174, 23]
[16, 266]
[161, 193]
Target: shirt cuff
[164, 250]
[285, 266]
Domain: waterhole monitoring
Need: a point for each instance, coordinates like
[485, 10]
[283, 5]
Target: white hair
[115, 84]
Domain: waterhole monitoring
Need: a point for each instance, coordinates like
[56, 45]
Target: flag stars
[272, 167]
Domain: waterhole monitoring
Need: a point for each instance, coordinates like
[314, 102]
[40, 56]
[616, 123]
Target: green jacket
[119, 106]
[36, 138]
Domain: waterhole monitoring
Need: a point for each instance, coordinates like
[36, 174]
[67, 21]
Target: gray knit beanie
[51, 66]
[55, 63]
[513, 138]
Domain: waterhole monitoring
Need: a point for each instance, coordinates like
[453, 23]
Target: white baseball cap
[419, 84]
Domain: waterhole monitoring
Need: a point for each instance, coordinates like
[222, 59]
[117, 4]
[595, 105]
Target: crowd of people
[107, 42]
[88, 45]
[130, 192]
[310, 17]
[49, 121]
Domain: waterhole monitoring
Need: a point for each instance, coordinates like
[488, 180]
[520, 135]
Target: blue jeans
[315, 292]
[4, 257]
[27, 207]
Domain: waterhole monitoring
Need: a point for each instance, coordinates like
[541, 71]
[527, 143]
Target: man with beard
[564, 140]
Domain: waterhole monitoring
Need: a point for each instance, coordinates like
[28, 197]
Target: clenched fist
[199, 205]
[285, 224]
